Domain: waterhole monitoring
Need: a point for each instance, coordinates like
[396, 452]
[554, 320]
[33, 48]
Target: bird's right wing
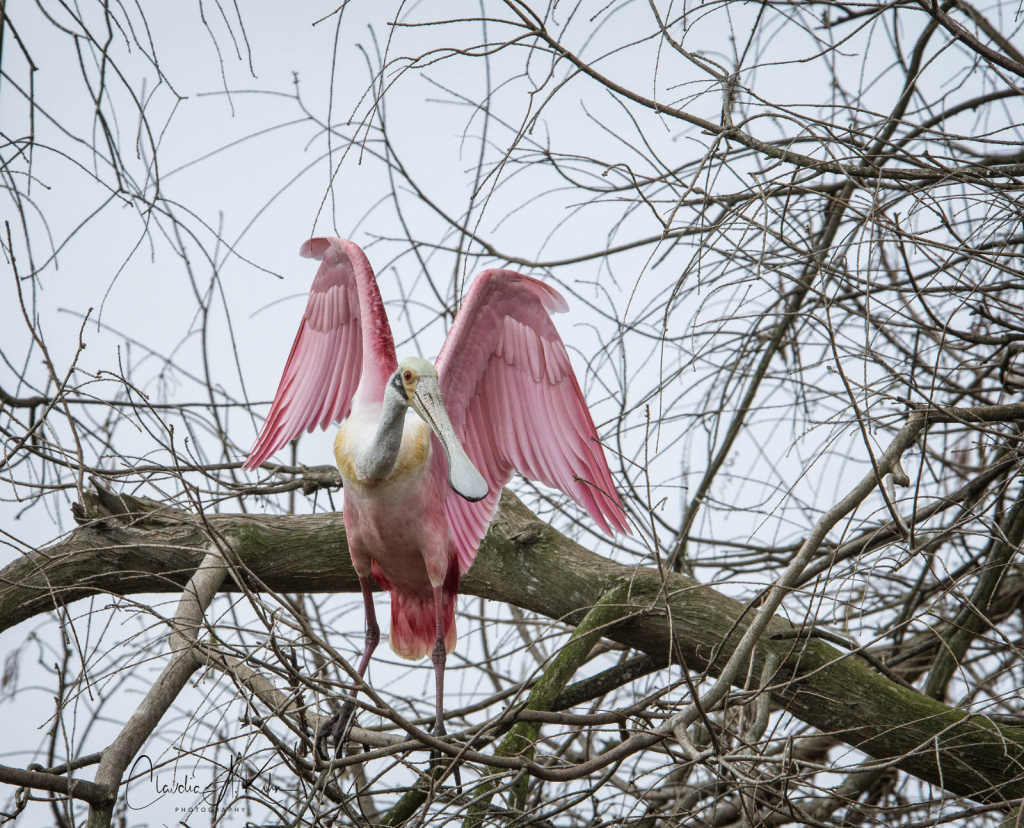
[515, 403]
[324, 366]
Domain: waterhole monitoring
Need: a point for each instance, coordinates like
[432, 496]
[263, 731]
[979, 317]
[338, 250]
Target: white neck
[378, 459]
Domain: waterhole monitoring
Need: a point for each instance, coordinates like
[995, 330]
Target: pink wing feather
[515, 403]
[326, 367]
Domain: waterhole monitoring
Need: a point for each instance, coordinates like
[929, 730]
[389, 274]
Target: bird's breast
[359, 431]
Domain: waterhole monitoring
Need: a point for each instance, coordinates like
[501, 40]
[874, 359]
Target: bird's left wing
[324, 366]
[515, 403]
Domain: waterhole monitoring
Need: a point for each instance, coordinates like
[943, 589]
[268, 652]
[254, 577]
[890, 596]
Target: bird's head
[409, 374]
[417, 383]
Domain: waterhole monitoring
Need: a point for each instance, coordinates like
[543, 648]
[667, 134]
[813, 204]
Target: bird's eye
[407, 376]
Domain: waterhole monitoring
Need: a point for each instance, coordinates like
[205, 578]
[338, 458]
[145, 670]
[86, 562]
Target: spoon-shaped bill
[463, 476]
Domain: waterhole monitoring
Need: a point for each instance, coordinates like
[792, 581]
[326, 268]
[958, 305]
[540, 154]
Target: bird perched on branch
[424, 450]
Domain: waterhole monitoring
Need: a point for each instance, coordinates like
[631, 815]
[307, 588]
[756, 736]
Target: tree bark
[128, 546]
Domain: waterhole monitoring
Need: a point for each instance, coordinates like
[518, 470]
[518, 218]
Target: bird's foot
[337, 726]
[438, 760]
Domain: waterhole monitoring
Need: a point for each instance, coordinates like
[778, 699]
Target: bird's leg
[438, 657]
[372, 630]
[338, 724]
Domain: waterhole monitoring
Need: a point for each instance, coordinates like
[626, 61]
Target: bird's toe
[336, 727]
[340, 728]
[322, 732]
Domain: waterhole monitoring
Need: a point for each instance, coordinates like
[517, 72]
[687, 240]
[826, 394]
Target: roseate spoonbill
[421, 486]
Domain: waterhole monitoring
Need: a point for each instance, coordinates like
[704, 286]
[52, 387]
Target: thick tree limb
[97, 795]
[130, 546]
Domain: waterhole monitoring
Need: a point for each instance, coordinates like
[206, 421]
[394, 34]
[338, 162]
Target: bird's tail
[414, 627]
[414, 624]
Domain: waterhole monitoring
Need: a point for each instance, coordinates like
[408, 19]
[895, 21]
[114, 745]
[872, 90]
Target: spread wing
[515, 403]
[324, 366]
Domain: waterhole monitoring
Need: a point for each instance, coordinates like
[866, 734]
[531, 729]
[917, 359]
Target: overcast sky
[248, 170]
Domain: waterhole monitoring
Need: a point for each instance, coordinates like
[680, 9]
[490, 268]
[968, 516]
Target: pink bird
[425, 450]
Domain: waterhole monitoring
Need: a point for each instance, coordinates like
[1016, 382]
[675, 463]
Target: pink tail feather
[413, 626]
[413, 622]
